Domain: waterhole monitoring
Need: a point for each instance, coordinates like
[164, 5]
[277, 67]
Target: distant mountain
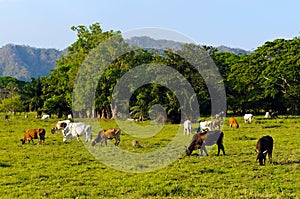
[148, 42]
[145, 41]
[233, 50]
[24, 62]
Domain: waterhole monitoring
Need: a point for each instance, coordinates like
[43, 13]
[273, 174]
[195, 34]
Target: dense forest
[266, 79]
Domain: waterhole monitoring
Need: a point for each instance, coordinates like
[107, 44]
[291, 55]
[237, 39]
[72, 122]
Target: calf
[108, 134]
[264, 146]
[187, 127]
[233, 122]
[34, 134]
[209, 138]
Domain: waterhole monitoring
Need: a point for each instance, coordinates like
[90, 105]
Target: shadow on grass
[272, 126]
[4, 165]
[286, 162]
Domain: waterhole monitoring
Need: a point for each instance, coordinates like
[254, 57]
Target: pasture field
[68, 170]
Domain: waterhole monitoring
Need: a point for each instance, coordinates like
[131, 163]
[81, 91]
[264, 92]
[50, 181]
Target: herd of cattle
[71, 130]
[207, 134]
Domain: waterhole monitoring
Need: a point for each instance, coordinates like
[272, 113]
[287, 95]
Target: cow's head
[188, 151]
[22, 140]
[53, 130]
[261, 156]
[94, 143]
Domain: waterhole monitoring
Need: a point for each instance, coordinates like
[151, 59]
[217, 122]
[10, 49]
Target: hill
[144, 41]
[23, 62]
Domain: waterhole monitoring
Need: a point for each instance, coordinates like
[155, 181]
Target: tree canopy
[265, 80]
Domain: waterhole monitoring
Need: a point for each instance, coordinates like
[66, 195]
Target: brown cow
[104, 135]
[208, 138]
[34, 134]
[264, 146]
[136, 144]
[233, 122]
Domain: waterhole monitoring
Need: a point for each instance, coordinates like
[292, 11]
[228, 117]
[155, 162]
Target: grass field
[68, 170]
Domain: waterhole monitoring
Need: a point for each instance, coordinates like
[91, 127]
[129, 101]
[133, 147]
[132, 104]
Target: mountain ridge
[25, 62]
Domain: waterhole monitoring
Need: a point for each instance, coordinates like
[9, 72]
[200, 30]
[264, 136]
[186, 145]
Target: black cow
[264, 146]
[208, 138]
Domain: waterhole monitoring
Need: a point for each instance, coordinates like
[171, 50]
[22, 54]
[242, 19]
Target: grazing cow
[216, 124]
[274, 114]
[205, 126]
[233, 122]
[6, 117]
[31, 134]
[248, 118]
[104, 135]
[220, 115]
[60, 125]
[208, 138]
[264, 146]
[187, 127]
[76, 130]
[45, 117]
[136, 144]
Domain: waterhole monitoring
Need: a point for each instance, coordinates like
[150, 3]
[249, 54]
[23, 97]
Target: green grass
[68, 170]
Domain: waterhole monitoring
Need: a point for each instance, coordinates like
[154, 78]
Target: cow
[248, 118]
[233, 122]
[208, 138]
[104, 135]
[77, 129]
[274, 114]
[205, 126]
[267, 115]
[31, 134]
[45, 117]
[6, 117]
[220, 115]
[136, 144]
[187, 127]
[60, 125]
[264, 146]
[216, 124]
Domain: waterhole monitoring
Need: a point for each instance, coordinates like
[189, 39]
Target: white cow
[267, 115]
[248, 118]
[187, 127]
[45, 117]
[205, 126]
[77, 129]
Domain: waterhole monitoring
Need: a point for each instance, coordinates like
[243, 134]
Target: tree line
[265, 80]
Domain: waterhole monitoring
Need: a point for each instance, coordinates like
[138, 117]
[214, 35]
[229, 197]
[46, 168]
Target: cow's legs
[203, 148]
[221, 147]
[117, 142]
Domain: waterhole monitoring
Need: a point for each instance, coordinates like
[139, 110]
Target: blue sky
[236, 23]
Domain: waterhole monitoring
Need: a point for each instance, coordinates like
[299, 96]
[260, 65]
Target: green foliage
[12, 104]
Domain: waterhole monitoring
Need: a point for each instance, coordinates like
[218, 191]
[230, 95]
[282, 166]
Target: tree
[61, 80]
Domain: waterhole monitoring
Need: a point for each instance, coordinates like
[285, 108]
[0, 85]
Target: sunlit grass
[68, 170]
